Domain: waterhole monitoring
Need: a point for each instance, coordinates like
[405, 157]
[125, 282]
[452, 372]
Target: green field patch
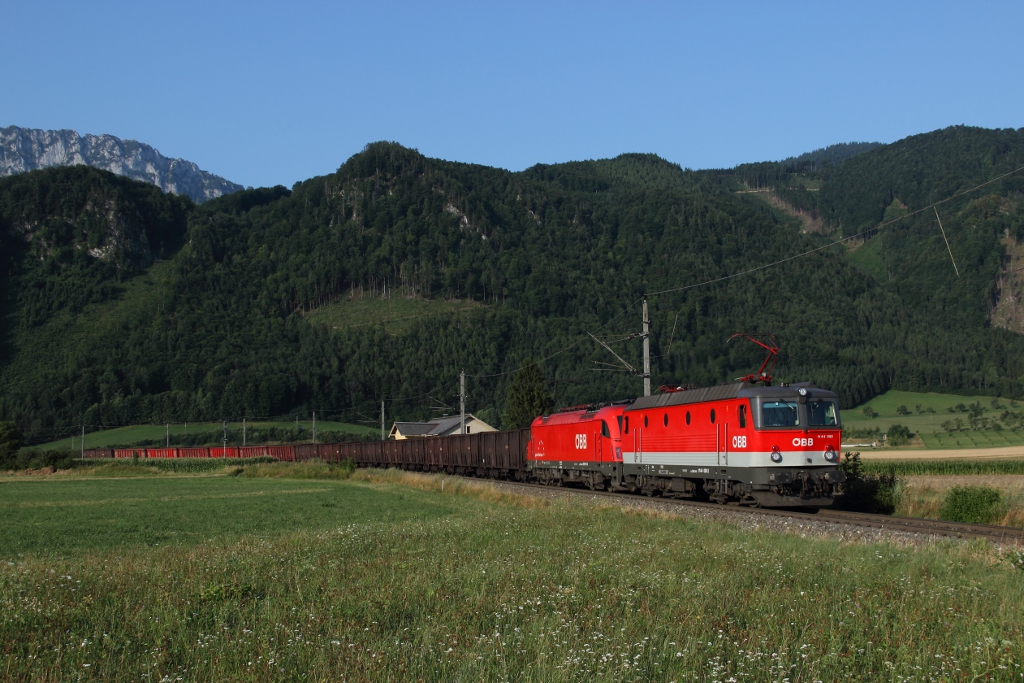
[397, 314]
[868, 257]
[67, 515]
[973, 439]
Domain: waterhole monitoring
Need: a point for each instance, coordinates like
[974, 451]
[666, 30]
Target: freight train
[770, 446]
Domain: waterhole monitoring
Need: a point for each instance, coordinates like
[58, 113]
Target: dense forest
[124, 305]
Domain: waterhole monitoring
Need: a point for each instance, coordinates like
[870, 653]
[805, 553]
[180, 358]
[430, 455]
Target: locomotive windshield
[822, 414]
[780, 414]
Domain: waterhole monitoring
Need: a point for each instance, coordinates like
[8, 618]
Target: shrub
[869, 411]
[898, 435]
[972, 504]
[877, 493]
[36, 459]
[902, 410]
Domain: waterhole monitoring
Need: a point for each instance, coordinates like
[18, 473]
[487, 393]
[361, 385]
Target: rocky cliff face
[26, 149]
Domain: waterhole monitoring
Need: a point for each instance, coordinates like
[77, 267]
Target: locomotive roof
[726, 391]
[582, 414]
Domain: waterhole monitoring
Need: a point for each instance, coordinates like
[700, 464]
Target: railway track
[927, 527]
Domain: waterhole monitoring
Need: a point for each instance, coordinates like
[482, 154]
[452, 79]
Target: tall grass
[311, 469]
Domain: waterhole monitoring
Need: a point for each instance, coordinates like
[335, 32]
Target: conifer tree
[10, 442]
[527, 397]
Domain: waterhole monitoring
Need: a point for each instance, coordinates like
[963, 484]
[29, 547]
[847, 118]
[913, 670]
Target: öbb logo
[803, 442]
[581, 441]
[739, 442]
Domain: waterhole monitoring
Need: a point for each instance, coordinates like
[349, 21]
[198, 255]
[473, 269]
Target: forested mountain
[831, 155]
[248, 306]
[28, 149]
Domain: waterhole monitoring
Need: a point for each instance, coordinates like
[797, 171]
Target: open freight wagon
[500, 455]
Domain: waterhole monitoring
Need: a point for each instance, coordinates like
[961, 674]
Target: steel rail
[930, 527]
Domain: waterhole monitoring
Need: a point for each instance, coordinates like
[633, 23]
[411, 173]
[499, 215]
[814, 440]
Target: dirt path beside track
[940, 453]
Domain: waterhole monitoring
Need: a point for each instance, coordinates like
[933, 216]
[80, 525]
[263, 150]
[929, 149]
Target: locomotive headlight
[802, 391]
[830, 454]
[776, 456]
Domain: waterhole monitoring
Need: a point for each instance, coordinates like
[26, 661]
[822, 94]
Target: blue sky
[266, 94]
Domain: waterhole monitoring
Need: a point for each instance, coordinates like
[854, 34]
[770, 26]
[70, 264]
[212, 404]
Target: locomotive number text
[739, 442]
[581, 441]
[803, 442]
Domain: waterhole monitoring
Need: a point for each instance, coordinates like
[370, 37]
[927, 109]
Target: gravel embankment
[742, 518]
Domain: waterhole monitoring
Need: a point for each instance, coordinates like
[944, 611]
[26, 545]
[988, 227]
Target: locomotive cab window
[619, 418]
[780, 414]
[626, 430]
[822, 414]
[743, 416]
[604, 429]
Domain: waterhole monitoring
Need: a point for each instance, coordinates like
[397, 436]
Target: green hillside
[384, 279]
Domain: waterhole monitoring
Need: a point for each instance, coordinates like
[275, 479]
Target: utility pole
[243, 430]
[83, 441]
[382, 419]
[224, 426]
[647, 351]
[462, 402]
[314, 426]
[167, 444]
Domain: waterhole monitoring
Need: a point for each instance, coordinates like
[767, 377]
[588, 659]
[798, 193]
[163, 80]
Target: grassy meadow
[283, 572]
[397, 314]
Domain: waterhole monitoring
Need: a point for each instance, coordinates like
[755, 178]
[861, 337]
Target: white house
[439, 426]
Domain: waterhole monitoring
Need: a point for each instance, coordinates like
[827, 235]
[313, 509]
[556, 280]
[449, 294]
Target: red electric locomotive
[580, 444]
